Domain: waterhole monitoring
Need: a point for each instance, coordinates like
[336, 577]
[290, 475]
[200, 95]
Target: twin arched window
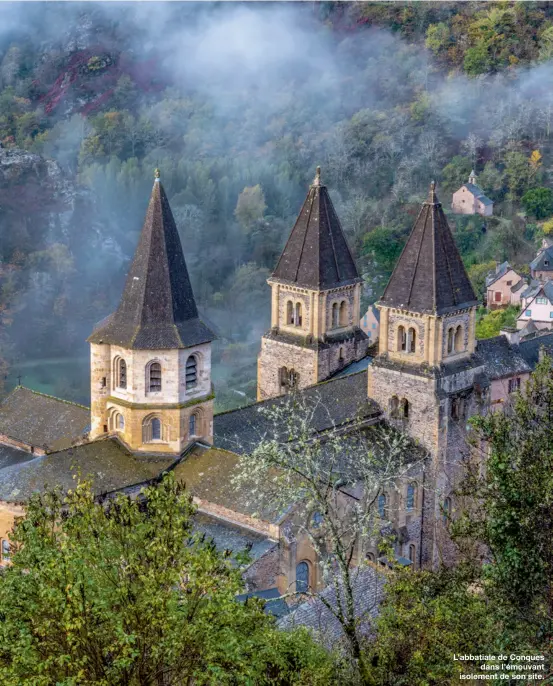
[339, 314]
[455, 341]
[406, 339]
[399, 409]
[288, 378]
[293, 314]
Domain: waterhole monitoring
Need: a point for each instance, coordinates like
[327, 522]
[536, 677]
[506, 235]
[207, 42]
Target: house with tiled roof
[504, 287]
[537, 307]
[541, 267]
[471, 199]
[370, 324]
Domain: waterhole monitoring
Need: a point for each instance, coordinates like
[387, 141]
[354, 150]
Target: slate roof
[110, 466]
[274, 603]
[368, 590]
[501, 358]
[10, 456]
[207, 475]
[157, 309]
[530, 349]
[41, 420]
[532, 289]
[242, 429]
[317, 255]
[538, 263]
[354, 367]
[517, 286]
[429, 275]
[227, 536]
[478, 193]
[500, 271]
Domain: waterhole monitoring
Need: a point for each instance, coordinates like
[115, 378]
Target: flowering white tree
[329, 482]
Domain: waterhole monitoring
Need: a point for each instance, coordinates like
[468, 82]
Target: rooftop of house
[109, 465]
[274, 604]
[478, 193]
[368, 589]
[157, 309]
[518, 285]
[532, 289]
[354, 367]
[41, 420]
[339, 401]
[501, 358]
[500, 271]
[530, 348]
[541, 290]
[317, 255]
[373, 309]
[543, 261]
[227, 536]
[429, 276]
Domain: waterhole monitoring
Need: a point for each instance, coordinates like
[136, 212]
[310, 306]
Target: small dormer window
[546, 263]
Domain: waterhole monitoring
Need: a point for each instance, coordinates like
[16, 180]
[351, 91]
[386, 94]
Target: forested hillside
[237, 104]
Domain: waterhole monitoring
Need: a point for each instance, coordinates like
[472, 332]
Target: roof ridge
[53, 397]
[331, 241]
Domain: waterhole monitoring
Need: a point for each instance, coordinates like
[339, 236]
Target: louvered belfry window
[155, 377]
[122, 374]
[191, 372]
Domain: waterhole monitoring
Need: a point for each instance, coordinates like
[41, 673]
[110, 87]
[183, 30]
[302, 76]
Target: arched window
[154, 377]
[191, 372]
[334, 315]
[297, 318]
[450, 337]
[192, 425]
[411, 492]
[401, 339]
[120, 422]
[151, 429]
[121, 373]
[394, 407]
[370, 557]
[412, 341]
[405, 408]
[283, 376]
[289, 312]
[458, 342]
[6, 549]
[343, 313]
[302, 577]
[382, 506]
[412, 553]
[447, 510]
[341, 358]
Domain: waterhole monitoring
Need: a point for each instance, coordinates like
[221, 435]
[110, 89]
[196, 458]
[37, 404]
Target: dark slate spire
[429, 275]
[157, 309]
[317, 255]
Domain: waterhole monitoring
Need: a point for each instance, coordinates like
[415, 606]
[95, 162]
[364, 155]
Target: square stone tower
[315, 303]
[427, 377]
[151, 358]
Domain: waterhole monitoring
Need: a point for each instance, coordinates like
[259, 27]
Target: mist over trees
[237, 105]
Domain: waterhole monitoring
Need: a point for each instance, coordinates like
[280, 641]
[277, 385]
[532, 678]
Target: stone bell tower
[315, 303]
[426, 377]
[151, 358]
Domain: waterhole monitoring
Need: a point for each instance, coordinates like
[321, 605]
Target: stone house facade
[470, 199]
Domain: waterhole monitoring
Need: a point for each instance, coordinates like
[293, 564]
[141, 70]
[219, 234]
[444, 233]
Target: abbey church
[152, 394]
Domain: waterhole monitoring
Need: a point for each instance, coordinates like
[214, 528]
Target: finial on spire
[432, 194]
[317, 179]
[157, 174]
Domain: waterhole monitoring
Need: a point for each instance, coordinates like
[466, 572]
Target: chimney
[511, 334]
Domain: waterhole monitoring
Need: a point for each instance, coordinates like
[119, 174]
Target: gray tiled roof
[354, 367]
[538, 263]
[530, 349]
[316, 254]
[368, 590]
[42, 420]
[430, 275]
[478, 193]
[157, 309]
[340, 400]
[110, 466]
[532, 289]
[518, 285]
[227, 536]
[274, 603]
[501, 358]
[10, 456]
[500, 271]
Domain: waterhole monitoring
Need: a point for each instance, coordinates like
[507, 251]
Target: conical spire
[430, 276]
[157, 309]
[317, 255]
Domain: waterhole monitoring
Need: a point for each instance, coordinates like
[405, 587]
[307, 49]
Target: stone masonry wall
[275, 355]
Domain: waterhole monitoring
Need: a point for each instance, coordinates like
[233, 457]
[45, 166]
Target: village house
[370, 324]
[541, 267]
[537, 306]
[470, 199]
[504, 287]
